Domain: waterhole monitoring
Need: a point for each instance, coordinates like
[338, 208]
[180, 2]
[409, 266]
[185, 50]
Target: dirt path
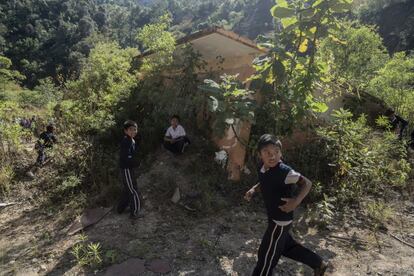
[33, 239]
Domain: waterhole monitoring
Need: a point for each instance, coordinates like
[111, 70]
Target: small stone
[158, 266]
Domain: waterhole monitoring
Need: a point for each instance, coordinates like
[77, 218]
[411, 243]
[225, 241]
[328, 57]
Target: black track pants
[129, 194]
[278, 242]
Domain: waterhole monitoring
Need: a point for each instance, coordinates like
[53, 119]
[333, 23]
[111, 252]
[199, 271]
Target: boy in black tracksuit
[276, 181]
[45, 141]
[126, 159]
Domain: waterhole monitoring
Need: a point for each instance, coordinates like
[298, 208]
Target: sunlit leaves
[303, 46]
[159, 42]
[290, 67]
[354, 54]
[282, 3]
[394, 84]
[287, 22]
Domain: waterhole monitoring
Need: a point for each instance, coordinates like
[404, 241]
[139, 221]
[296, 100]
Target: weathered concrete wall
[233, 143]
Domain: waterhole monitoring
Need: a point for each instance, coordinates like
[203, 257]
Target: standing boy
[276, 181]
[176, 139]
[129, 194]
[45, 141]
[396, 122]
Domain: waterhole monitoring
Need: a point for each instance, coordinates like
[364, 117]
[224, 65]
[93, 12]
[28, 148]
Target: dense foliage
[53, 38]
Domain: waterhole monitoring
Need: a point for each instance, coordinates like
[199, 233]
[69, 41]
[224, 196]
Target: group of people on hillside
[175, 140]
[276, 182]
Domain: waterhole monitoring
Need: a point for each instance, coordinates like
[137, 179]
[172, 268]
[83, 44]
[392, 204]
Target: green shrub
[394, 84]
[379, 212]
[6, 176]
[365, 162]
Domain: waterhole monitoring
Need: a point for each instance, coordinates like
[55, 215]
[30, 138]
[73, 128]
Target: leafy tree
[41, 35]
[288, 73]
[353, 55]
[394, 84]
[105, 80]
[157, 40]
[6, 73]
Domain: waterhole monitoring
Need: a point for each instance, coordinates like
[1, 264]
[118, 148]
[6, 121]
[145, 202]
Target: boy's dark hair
[175, 117]
[50, 127]
[129, 123]
[268, 139]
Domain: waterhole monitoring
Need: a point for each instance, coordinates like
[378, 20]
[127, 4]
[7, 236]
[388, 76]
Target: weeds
[87, 253]
[6, 176]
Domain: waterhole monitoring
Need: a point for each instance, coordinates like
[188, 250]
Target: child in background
[176, 139]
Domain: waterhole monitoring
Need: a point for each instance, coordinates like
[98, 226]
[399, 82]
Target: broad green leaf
[282, 3]
[286, 22]
[303, 46]
[337, 40]
[281, 12]
[299, 66]
[316, 106]
[265, 45]
[312, 30]
[319, 107]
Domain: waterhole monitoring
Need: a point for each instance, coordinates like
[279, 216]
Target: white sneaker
[184, 146]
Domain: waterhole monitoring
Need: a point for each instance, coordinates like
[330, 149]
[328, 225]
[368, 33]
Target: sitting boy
[175, 139]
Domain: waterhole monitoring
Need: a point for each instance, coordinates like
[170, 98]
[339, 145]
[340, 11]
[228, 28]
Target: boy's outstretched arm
[249, 194]
[291, 203]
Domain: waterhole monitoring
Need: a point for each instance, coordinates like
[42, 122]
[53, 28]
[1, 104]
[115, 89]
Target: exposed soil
[34, 239]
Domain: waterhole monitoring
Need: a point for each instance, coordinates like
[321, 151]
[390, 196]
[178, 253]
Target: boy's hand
[290, 205]
[249, 194]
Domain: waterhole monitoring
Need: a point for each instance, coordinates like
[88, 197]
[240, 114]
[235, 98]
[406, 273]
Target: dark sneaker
[137, 216]
[133, 217]
[141, 213]
[320, 271]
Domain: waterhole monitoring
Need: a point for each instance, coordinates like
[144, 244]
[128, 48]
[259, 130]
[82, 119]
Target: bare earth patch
[34, 240]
